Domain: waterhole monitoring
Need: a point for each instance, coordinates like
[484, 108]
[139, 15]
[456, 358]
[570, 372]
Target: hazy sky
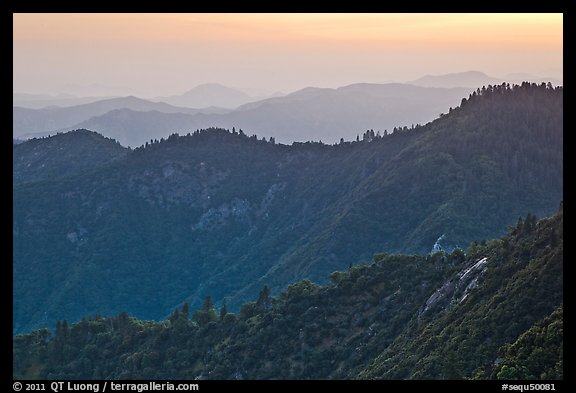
[160, 54]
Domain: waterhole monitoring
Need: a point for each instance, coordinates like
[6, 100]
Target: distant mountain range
[308, 114]
[202, 96]
[29, 121]
[39, 101]
[101, 228]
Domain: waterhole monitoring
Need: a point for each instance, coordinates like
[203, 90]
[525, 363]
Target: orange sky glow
[157, 54]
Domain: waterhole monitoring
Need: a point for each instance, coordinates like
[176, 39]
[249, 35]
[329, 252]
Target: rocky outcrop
[456, 289]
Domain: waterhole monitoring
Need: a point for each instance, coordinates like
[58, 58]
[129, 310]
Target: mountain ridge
[53, 119]
[206, 95]
[308, 114]
[440, 316]
[282, 213]
[57, 156]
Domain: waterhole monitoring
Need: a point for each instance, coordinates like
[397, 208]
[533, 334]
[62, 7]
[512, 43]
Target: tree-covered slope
[445, 316]
[520, 283]
[62, 155]
[223, 214]
[537, 354]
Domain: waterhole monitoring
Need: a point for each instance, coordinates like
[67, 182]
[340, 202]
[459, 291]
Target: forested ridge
[493, 311]
[98, 228]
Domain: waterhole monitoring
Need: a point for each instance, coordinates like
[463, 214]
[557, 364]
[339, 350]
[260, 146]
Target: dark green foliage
[207, 306]
[537, 354]
[224, 213]
[207, 314]
[374, 321]
[522, 283]
[186, 310]
[223, 311]
[264, 302]
[73, 153]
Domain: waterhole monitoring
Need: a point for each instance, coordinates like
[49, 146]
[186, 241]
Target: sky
[163, 54]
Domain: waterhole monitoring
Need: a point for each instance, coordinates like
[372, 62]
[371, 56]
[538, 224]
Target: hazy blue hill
[495, 311]
[27, 121]
[331, 114]
[302, 94]
[220, 213]
[39, 101]
[310, 114]
[458, 79]
[478, 78]
[209, 94]
[134, 128]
